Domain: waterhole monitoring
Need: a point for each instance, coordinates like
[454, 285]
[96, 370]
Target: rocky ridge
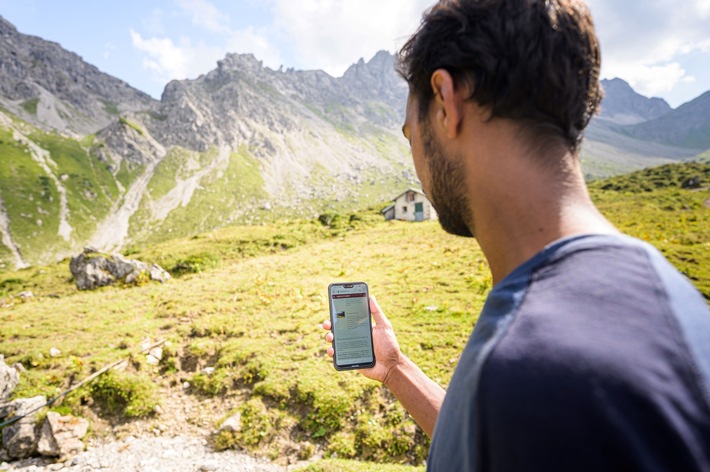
[623, 105]
[47, 85]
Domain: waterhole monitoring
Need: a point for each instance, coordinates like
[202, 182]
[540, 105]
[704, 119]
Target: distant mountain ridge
[50, 86]
[623, 105]
[87, 159]
[687, 126]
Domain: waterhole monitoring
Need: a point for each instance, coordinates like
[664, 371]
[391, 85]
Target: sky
[661, 47]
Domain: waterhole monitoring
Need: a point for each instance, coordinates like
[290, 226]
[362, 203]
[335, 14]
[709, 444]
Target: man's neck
[525, 206]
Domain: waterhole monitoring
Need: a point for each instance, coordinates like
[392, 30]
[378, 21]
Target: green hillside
[248, 301]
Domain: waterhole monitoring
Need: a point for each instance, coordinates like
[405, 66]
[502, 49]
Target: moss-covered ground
[248, 301]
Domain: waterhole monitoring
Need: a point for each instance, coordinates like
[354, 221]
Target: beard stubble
[447, 187]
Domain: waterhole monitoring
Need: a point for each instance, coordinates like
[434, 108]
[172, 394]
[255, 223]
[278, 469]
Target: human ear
[448, 104]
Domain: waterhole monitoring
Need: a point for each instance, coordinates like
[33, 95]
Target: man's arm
[420, 395]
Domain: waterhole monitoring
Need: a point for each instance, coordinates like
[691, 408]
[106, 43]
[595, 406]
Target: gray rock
[159, 274]
[233, 424]
[9, 378]
[92, 269]
[33, 68]
[61, 435]
[20, 438]
[21, 406]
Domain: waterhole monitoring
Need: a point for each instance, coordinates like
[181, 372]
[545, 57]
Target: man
[591, 352]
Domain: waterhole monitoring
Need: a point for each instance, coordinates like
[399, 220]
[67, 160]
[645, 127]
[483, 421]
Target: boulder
[20, 438]
[9, 378]
[92, 269]
[60, 436]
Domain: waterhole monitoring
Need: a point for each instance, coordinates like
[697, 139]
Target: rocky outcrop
[92, 269]
[20, 438]
[231, 104]
[60, 436]
[9, 378]
[66, 93]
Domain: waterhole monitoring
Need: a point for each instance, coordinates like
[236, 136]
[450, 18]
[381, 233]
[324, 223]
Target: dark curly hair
[533, 61]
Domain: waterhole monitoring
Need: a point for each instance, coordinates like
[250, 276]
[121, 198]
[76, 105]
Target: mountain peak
[236, 61]
[7, 28]
[623, 105]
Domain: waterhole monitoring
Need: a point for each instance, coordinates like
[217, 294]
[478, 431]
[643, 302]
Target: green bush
[122, 394]
[256, 424]
[212, 384]
[329, 219]
[195, 264]
[11, 283]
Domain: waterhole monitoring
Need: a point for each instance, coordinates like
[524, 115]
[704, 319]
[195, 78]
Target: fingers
[329, 338]
[327, 325]
[331, 352]
[377, 314]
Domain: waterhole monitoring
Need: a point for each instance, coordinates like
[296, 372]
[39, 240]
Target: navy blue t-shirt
[592, 356]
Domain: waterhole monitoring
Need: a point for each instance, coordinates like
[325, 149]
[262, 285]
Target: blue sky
[660, 48]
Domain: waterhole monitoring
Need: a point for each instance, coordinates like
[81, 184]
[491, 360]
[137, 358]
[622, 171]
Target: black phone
[351, 324]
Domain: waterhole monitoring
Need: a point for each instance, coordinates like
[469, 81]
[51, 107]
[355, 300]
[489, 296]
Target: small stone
[54, 352]
[208, 467]
[233, 424]
[152, 360]
[186, 385]
[207, 370]
[26, 295]
[156, 352]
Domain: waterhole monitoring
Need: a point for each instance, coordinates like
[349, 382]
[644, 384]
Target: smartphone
[351, 325]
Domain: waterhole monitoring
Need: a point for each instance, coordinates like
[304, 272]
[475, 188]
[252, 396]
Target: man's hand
[387, 353]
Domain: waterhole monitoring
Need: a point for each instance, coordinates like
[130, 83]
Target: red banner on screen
[349, 295]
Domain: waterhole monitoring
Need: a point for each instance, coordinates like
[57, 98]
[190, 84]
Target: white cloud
[653, 80]
[168, 61]
[645, 43]
[205, 15]
[332, 34]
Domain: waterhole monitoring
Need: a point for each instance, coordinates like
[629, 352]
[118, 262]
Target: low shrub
[195, 264]
[123, 394]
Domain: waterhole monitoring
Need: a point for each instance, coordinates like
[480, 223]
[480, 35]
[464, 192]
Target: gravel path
[178, 454]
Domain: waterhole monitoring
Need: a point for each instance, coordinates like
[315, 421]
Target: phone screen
[352, 327]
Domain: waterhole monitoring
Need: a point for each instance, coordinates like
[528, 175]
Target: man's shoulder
[599, 339]
[605, 297]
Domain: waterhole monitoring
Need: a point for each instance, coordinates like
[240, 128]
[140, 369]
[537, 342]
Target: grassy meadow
[248, 301]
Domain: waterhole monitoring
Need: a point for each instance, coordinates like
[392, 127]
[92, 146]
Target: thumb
[380, 318]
